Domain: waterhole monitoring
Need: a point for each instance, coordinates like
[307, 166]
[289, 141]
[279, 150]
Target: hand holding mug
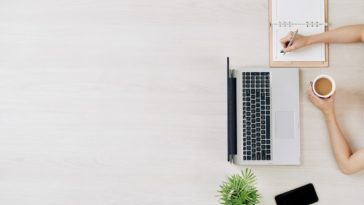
[322, 94]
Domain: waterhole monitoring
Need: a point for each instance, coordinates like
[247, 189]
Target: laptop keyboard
[256, 116]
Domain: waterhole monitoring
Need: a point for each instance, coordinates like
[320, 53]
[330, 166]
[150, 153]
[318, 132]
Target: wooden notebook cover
[302, 64]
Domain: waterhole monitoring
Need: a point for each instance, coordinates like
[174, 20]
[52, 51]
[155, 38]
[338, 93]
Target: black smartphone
[303, 195]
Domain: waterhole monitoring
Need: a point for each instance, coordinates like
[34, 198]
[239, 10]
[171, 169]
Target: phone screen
[301, 196]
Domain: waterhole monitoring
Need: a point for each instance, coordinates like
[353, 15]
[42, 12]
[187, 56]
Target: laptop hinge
[231, 113]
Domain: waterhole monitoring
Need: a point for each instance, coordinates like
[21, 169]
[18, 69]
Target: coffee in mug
[324, 86]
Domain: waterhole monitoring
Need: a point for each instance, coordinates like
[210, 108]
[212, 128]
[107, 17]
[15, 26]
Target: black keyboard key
[267, 119]
[256, 99]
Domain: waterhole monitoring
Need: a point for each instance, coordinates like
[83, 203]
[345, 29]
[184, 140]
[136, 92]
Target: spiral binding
[307, 24]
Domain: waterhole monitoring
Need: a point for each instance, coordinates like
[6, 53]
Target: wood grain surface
[124, 102]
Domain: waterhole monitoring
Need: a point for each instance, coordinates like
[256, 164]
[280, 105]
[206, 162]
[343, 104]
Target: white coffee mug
[333, 87]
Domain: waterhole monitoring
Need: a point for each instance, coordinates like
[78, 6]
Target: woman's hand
[327, 106]
[299, 42]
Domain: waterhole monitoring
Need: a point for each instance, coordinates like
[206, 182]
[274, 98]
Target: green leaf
[239, 189]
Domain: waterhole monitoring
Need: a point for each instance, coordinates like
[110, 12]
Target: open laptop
[263, 116]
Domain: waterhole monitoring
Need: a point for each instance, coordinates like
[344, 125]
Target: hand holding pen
[293, 41]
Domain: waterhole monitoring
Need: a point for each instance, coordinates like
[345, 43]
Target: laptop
[263, 116]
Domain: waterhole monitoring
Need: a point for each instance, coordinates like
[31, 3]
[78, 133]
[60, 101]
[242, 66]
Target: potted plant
[239, 189]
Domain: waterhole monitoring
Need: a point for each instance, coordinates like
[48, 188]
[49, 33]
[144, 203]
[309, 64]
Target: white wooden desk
[124, 102]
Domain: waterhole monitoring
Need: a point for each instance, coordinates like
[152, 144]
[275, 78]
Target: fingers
[311, 95]
[285, 40]
[314, 98]
[290, 48]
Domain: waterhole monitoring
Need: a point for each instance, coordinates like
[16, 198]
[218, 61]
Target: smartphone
[303, 195]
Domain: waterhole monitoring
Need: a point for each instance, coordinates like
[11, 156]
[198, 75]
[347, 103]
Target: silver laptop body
[284, 117]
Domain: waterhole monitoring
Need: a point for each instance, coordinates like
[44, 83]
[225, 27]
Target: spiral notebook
[308, 17]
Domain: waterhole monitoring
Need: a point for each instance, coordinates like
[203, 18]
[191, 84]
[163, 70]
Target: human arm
[345, 34]
[347, 161]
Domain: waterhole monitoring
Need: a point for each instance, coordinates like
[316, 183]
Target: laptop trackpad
[285, 124]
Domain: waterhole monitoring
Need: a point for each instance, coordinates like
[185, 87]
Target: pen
[290, 41]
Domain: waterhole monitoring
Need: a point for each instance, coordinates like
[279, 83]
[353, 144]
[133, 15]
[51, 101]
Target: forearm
[346, 34]
[339, 144]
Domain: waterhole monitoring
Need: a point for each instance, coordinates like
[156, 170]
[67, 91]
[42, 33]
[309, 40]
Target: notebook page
[298, 12]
